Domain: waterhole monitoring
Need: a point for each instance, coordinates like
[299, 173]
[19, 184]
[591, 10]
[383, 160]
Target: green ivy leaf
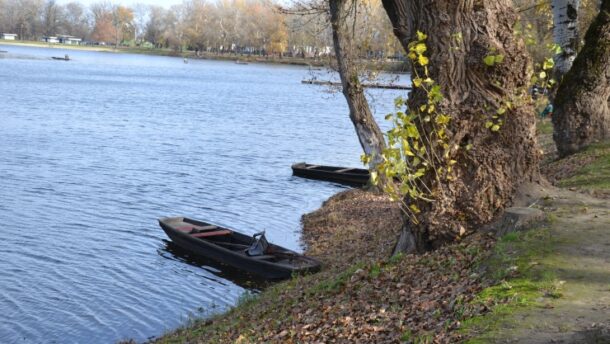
[442, 119]
[420, 48]
[374, 177]
[489, 60]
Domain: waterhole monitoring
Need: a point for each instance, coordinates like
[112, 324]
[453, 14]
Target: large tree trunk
[582, 113]
[461, 33]
[565, 34]
[370, 136]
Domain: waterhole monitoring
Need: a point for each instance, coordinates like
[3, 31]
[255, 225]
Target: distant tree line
[238, 26]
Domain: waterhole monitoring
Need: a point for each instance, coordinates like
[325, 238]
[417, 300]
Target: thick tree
[582, 113]
[483, 71]
[370, 136]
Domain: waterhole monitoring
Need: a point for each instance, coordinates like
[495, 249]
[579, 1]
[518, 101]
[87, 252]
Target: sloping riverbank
[361, 295]
[477, 290]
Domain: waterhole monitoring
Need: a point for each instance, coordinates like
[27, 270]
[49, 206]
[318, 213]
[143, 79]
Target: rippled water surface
[94, 150]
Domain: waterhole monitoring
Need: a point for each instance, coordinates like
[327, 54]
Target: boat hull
[353, 177]
[240, 261]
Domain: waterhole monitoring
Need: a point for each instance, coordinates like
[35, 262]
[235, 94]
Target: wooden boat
[65, 58]
[343, 175]
[250, 253]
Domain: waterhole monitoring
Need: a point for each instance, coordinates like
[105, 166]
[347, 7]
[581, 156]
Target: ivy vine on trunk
[483, 71]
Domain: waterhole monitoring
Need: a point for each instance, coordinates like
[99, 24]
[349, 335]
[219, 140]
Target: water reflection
[246, 280]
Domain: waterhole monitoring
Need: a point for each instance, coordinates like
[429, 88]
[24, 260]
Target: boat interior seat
[209, 234]
[196, 229]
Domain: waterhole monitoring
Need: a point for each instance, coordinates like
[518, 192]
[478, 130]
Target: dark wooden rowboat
[343, 175]
[230, 247]
[66, 58]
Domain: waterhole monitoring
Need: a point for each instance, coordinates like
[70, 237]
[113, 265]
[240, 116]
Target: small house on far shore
[9, 36]
[50, 39]
[66, 39]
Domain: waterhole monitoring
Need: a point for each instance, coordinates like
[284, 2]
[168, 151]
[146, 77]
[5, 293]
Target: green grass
[595, 175]
[544, 127]
[521, 281]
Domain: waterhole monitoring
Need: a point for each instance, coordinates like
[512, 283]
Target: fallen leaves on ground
[361, 296]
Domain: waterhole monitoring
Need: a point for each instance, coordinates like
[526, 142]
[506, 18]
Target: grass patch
[544, 127]
[519, 279]
[595, 175]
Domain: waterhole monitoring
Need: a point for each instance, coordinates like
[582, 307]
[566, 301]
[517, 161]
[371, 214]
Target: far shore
[388, 66]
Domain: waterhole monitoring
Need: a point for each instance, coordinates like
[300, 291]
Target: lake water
[94, 150]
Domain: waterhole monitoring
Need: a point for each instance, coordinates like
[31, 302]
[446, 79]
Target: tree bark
[461, 33]
[582, 114]
[565, 34]
[370, 136]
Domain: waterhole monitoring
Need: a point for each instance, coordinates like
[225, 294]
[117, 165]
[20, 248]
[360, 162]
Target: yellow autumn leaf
[420, 48]
[423, 60]
[414, 208]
